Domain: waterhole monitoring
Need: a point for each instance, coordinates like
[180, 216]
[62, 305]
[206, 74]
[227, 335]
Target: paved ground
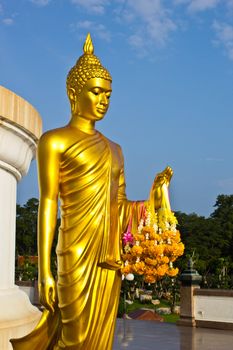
[148, 335]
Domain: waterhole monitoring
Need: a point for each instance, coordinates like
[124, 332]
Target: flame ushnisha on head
[88, 47]
[87, 66]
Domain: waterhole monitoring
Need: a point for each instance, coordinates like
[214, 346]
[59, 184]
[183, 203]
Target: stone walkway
[149, 335]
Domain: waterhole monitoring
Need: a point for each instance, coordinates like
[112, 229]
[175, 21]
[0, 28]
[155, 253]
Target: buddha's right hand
[47, 292]
[159, 196]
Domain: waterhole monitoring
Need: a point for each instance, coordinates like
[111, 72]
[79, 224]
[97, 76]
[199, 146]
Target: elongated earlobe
[72, 97]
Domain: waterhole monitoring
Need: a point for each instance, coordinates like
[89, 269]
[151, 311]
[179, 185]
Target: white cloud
[84, 25]
[146, 8]
[94, 6]
[137, 42]
[202, 5]
[150, 21]
[159, 29]
[229, 3]
[229, 8]
[224, 34]
[89, 26]
[8, 21]
[41, 2]
[181, 2]
[214, 159]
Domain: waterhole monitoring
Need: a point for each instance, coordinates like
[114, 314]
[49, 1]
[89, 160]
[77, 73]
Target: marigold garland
[152, 250]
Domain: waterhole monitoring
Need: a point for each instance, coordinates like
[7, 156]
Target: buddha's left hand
[47, 291]
[159, 196]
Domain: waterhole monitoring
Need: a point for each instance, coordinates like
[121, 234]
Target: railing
[213, 308]
[210, 308]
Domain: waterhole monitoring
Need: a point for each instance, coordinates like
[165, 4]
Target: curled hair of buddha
[87, 67]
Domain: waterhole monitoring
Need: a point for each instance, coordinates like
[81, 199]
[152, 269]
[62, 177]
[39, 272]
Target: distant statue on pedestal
[85, 171]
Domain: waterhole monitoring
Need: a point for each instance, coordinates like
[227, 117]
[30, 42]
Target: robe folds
[94, 214]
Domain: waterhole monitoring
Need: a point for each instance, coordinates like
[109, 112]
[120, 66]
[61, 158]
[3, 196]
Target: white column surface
[20, 127]
[7, 229]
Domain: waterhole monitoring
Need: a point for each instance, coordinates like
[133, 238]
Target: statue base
[18, 316]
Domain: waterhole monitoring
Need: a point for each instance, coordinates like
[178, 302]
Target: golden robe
[94, 214]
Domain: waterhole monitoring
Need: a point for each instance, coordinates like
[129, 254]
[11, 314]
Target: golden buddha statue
[85, 171]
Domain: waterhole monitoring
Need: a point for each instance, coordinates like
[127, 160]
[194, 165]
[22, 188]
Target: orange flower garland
[152, 250]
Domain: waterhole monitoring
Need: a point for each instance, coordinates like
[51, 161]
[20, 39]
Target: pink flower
[127, 237]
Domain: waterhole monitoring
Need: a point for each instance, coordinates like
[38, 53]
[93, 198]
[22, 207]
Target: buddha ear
[72, 95]
[73, 98]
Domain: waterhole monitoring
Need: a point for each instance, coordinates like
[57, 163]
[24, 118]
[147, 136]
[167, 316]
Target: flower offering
[152, 250]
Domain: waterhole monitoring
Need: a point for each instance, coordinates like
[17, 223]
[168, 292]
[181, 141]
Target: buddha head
[89, 84]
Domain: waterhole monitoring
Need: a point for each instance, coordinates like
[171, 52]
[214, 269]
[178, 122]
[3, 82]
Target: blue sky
[172, 68]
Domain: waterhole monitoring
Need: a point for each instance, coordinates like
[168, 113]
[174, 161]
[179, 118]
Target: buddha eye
[96, 92]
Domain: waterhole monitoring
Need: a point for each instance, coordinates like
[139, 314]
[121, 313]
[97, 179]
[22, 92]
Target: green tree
[223, 217]
[203, 237]
[26, 228]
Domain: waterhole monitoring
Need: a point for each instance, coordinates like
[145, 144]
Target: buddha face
[93, 101]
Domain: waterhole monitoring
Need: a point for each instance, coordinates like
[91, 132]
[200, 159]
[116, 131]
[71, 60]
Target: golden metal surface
[85, 170]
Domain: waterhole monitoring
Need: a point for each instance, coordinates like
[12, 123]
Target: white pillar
[7, 229]
[18, 137]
